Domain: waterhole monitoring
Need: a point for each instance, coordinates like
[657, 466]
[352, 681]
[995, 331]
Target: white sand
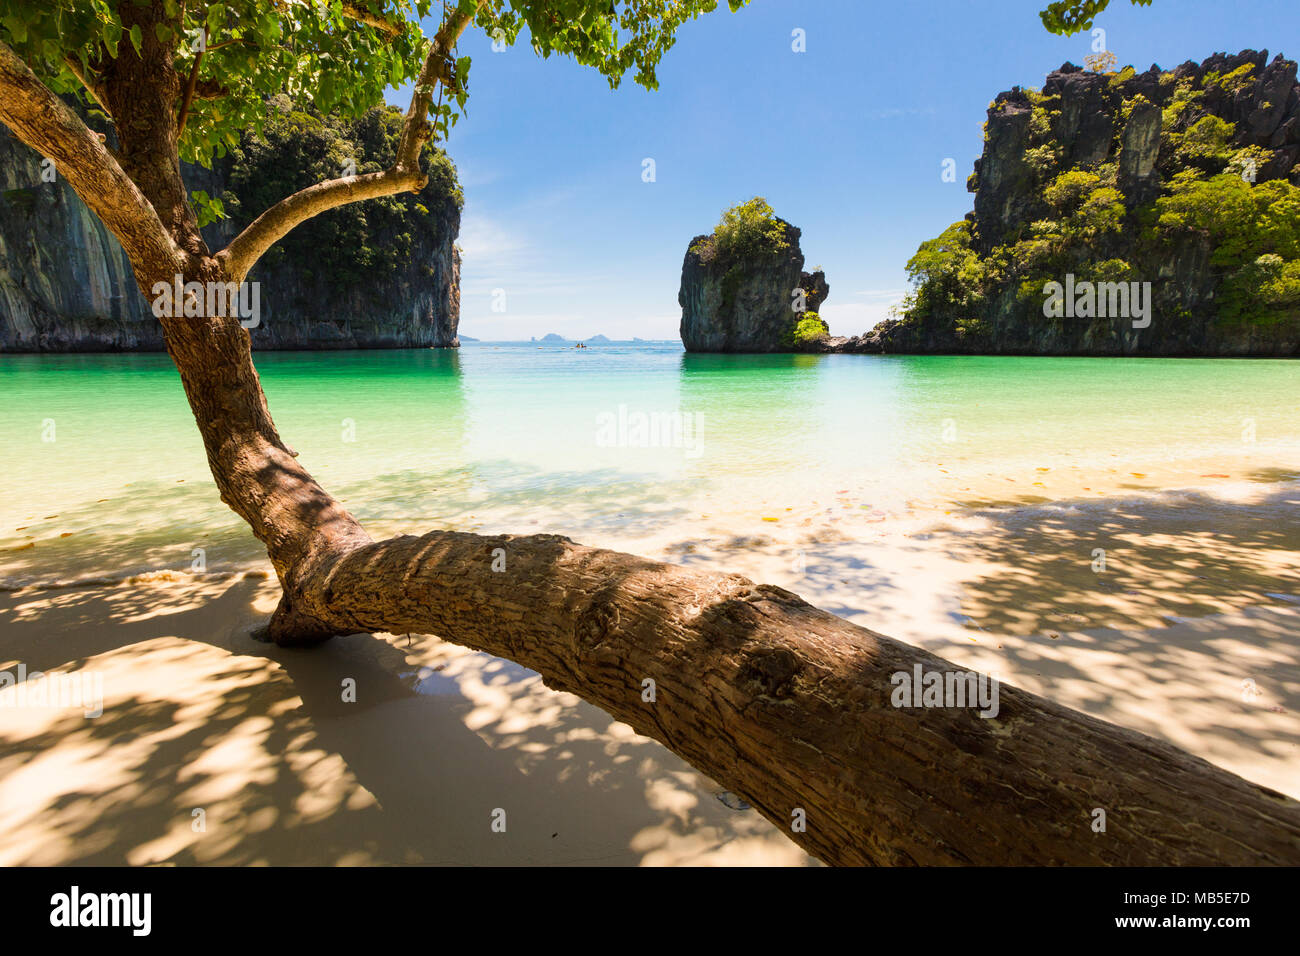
[1191, 634]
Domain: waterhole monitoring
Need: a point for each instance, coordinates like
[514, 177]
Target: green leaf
[17, 28]
[112, 36]
[137, 38]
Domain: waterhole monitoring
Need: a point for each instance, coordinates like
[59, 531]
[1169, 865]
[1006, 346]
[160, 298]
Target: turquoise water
[104, 472]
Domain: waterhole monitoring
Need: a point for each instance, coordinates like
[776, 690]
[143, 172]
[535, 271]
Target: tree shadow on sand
[198, 716]
[1189, 631]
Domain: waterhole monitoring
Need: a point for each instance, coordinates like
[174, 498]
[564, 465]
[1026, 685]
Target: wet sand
[1191, 633]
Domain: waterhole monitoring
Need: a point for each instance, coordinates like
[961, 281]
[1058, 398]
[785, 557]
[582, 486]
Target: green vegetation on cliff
[744, 289]
[354, 244]
[746, 230]
[1254, 232]
[1186, 179]
[807, 329]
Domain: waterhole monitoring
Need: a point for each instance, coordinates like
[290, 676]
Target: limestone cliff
[750, 298]
[383, 274]
[1184, 179]
[65, 283]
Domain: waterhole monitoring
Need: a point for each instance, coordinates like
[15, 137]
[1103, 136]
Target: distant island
[554, 338]
[551, 338]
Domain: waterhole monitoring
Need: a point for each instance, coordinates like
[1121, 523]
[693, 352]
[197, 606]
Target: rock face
[745, 305]
[66, 284]
[1131, 134]
[1139, 149]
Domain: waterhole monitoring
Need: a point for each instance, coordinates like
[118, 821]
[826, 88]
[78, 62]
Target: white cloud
[854, 318]
[891, 294]
[477, 175]
[485, 241]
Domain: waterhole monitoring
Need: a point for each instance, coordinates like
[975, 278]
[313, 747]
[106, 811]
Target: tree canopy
[182, 80]
[1068, 17]
[338, 57]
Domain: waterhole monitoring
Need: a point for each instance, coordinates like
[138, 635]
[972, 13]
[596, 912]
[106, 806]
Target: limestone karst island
[671, 433]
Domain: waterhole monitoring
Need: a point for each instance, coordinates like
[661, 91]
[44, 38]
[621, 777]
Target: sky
[847, 139]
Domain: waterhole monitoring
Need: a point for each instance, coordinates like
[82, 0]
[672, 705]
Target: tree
[788, 705]
[178, 79]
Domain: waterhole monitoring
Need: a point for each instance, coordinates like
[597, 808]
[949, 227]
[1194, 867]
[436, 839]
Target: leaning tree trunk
[785, 704]
[790, 707]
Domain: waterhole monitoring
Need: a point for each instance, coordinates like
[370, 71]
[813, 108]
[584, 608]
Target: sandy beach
[1191, 634]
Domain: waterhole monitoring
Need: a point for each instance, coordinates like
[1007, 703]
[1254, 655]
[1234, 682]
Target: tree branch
[189, 86]
[46, 124]
[211, 89]
[403, 176]
[416, 129]
[214, 47]
[75, 68]
[270, 227]
[359, 13]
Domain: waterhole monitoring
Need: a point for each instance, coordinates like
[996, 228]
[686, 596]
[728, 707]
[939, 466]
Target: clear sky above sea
[845, 140]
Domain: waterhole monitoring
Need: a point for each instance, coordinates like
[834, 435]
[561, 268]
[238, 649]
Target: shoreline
[836, 345]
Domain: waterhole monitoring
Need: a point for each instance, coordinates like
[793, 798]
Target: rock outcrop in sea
[748, 302]
[386, 276]
[1105, 182]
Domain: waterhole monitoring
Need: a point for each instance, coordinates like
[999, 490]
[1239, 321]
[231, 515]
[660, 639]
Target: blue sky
[845, 140]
